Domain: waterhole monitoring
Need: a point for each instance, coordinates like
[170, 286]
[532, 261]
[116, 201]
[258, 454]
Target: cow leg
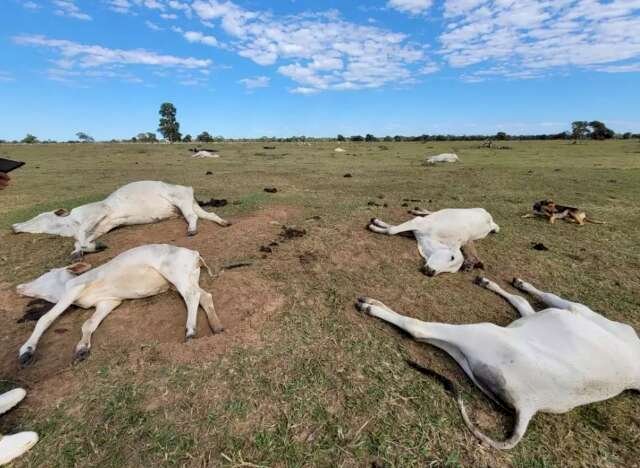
[206, 301]
[420, 212]
[519, 302]
[27, 349]
[102, 310]
[548, 298]
[209, 215]
[377, 226]
[418, 329]
[186, 208]
[471, 259]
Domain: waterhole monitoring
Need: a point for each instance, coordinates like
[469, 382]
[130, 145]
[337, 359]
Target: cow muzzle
[430, 272]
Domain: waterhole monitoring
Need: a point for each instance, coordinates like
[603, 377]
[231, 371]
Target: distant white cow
[551, 361]
[137, 273]
[441, 235]
[205, 154]
[135, 203]
[14, 445]
[443, 158]
[340, 150]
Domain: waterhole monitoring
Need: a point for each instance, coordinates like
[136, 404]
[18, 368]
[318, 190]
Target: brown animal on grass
[552, 211]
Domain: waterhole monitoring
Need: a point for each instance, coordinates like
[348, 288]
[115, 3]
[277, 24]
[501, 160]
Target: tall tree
[579, 129]
[205, 137]
[29, 139]
[169, 126]
[599, 131]
[84, 137]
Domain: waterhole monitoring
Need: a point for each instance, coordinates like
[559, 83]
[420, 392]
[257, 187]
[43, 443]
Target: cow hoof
[191, 233]
[480, 281]
[100, 247]
[77, 256]
[517, 283]
[81, 354]
[227, 224]
[26, 358]
[362, 305]
[190, 335]
[217, 330]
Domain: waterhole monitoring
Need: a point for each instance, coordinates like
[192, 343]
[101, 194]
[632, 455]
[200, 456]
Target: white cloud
[195, 36]
[120, 6]
[318, 51]
[528, 38]
[168, 16]
[413, 7]
[626, 68]
[6, 76]
[31, 5]
[257, 82]
[74, 60]
[153, 26]
[70, 9]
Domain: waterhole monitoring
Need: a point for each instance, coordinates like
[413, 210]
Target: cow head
[51, 285]
[443, 260]
[52, 222]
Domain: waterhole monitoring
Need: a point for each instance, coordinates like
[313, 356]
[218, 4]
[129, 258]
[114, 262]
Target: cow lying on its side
[551, 361]
[135, 203]
[137, 273]
[441, 235]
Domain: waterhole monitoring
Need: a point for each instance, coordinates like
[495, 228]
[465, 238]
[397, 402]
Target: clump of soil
[213, 203]
[308, 258]
[539, 246]
[372, 203]
[292, 232]
[207, 173]
[269, 147]
[271, 190]
[347, 175]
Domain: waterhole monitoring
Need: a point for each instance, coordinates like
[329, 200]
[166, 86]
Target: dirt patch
[243, 298]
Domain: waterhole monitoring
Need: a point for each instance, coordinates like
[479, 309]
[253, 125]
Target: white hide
[15, 445]
[340, 150]
[550, 361]
[441, 235]
[205, 154]
[443, 158]
[137, 273]
[135, 203]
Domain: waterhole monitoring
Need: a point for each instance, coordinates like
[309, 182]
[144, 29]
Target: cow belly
[149, 210]
[132, 283]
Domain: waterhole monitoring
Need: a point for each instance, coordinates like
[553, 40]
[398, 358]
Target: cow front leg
[550, 299]
[89, 327]
[519, 302]
[28, 349]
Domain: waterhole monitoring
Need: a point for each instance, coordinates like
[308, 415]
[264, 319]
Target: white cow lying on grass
[15, 445]
[443, 158]
[441, 235]
[135, 203]
[551, 361]
[137, 273]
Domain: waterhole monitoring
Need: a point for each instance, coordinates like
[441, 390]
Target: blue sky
[292, 67]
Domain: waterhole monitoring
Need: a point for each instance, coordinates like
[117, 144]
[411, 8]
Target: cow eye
[453, 258]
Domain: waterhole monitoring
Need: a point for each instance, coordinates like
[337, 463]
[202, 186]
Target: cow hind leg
[208, 215]
[520, 303]
[89, 327]
[206, 301]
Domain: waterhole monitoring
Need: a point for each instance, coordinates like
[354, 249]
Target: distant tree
[599, 131]
[341, 138]
[169, 126]
[501, 136]
[579, 129]
[187, 138]
[29, 139]
[357, 138]
[398, 138]
[204, 137]
[148, 137]
[388, 138]
[370, 137]
[627, 136]
[85, 138]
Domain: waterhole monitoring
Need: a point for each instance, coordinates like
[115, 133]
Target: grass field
[300, 378]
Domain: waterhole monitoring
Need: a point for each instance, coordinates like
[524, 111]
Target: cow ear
[79, 268]
[61, 212]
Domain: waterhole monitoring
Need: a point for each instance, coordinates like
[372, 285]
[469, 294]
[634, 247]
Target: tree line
[169, 128]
